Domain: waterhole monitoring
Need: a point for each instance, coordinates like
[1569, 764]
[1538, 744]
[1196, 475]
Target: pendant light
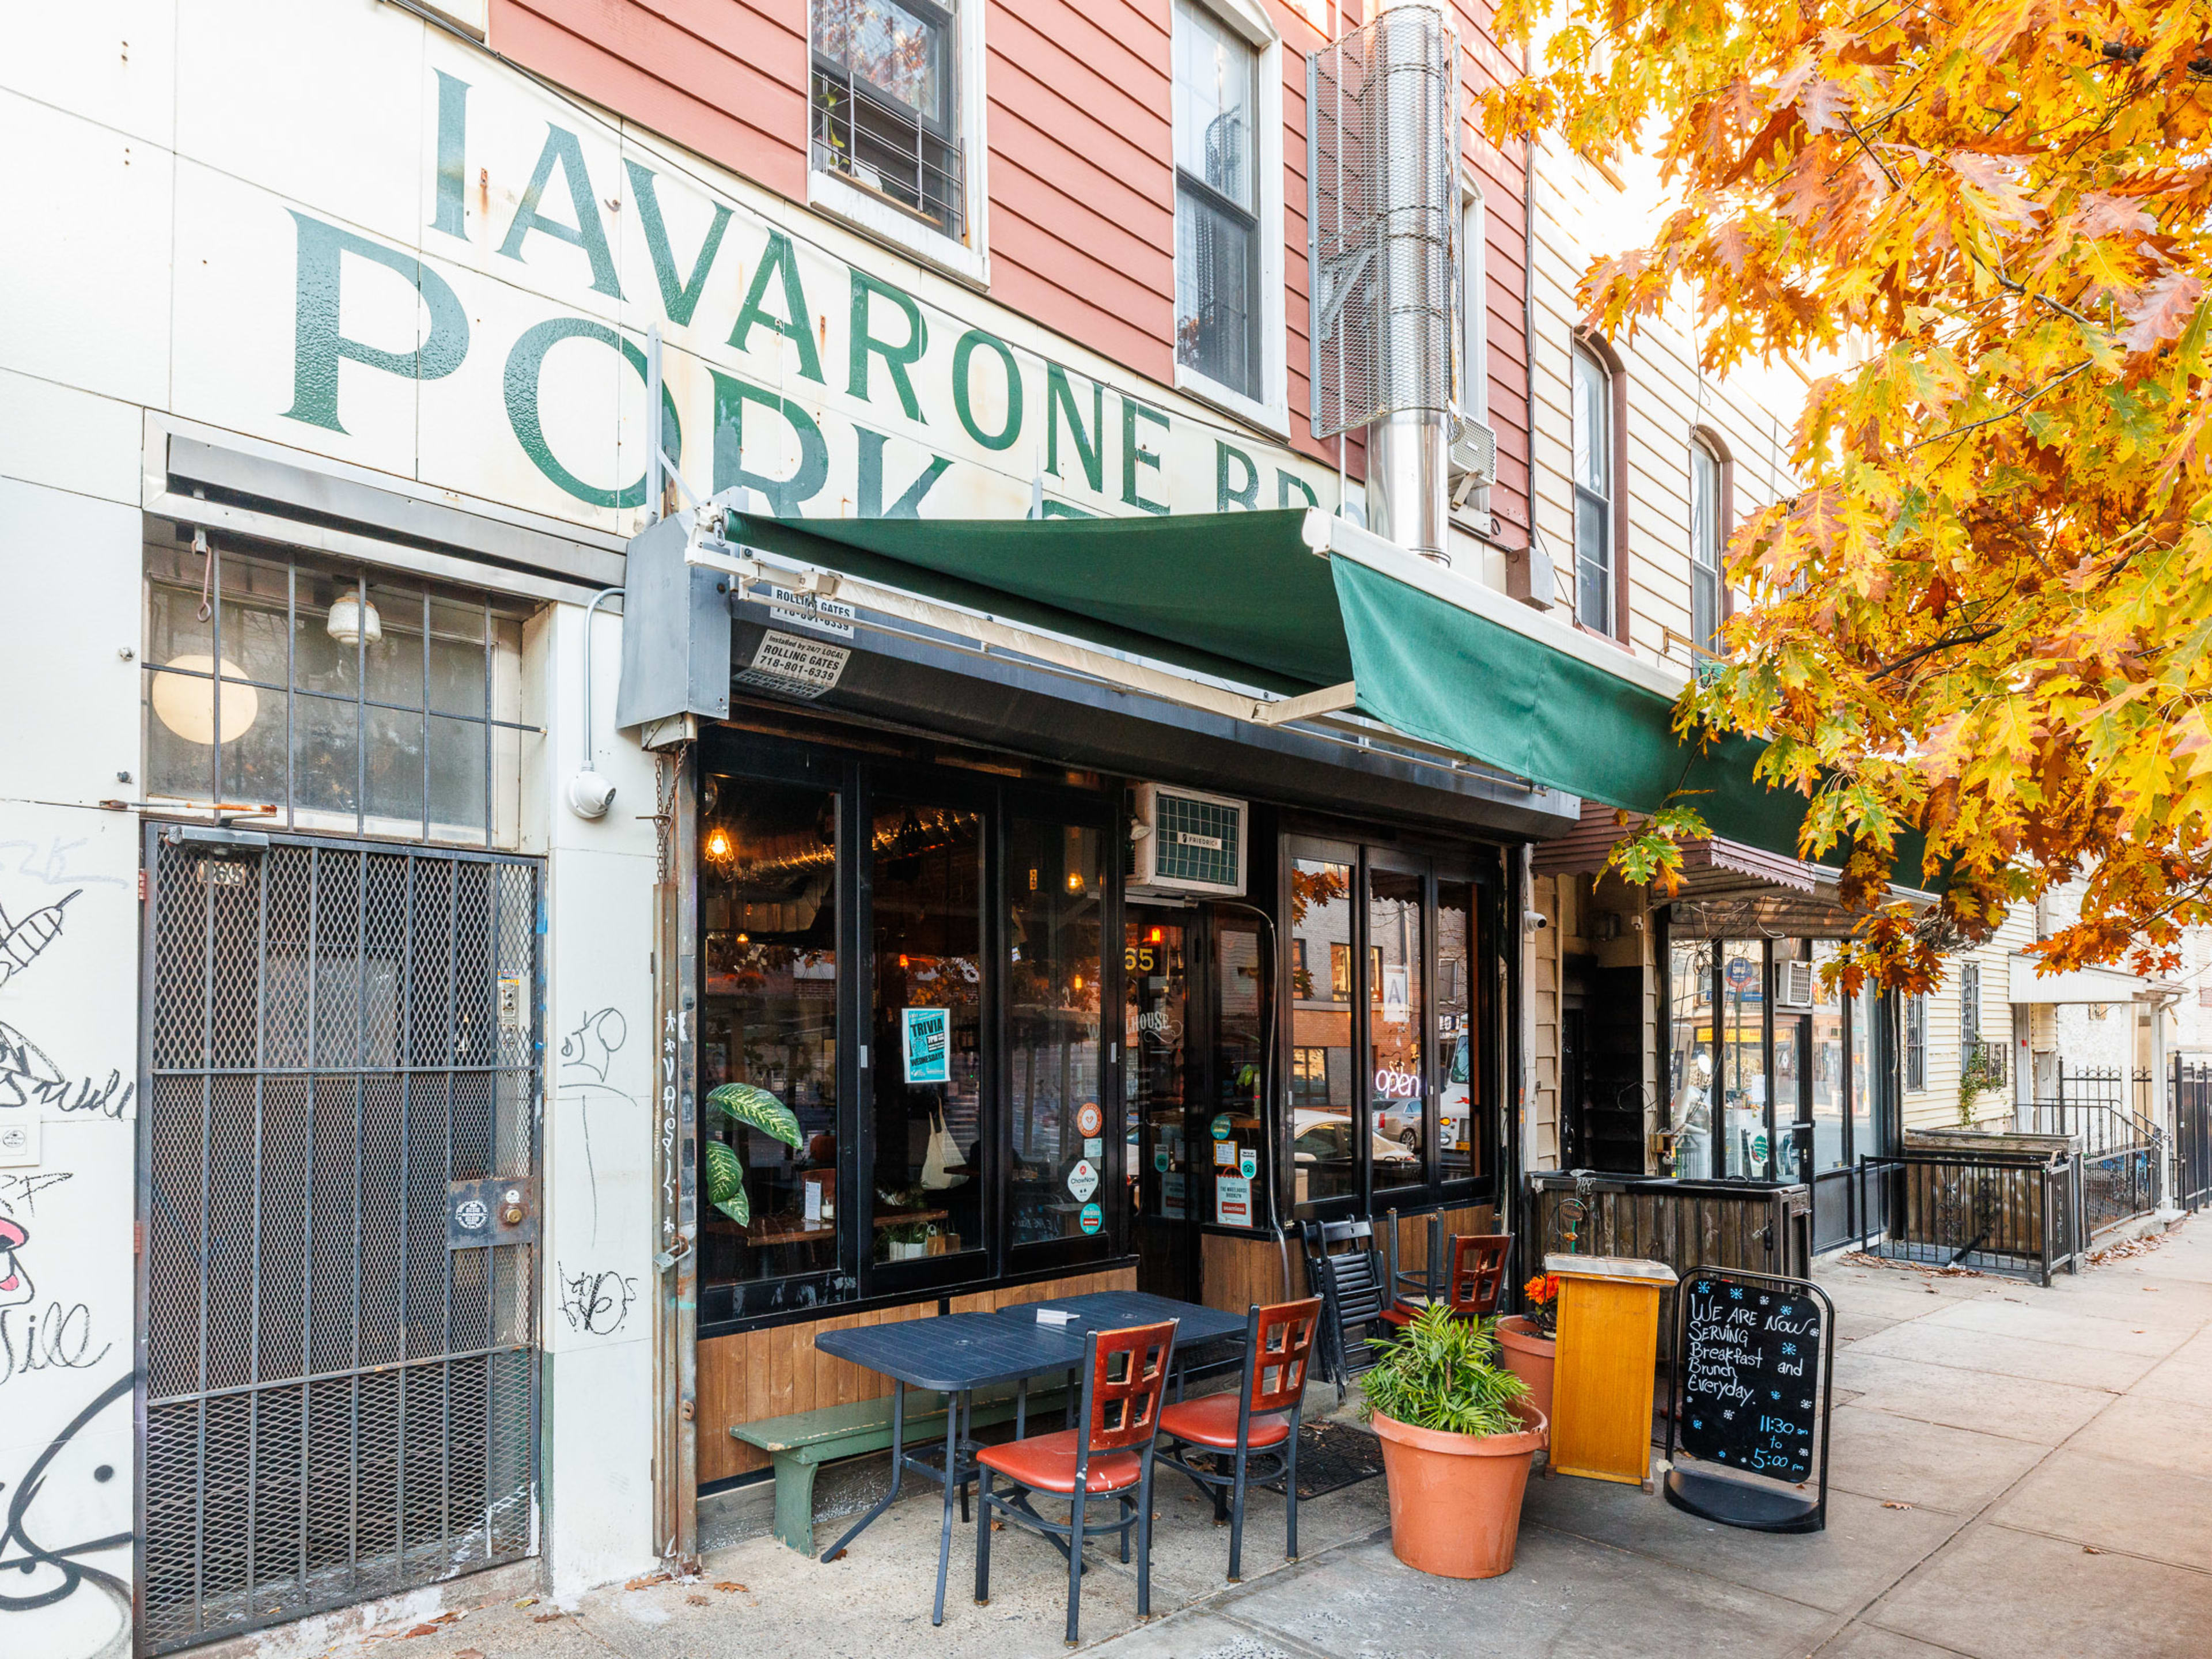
[352, 620]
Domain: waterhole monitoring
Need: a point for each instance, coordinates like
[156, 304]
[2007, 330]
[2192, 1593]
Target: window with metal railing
[344, 699]
[885, 95]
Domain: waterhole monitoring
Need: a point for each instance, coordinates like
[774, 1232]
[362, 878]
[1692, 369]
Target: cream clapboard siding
[1582, 215]
[1543, 990]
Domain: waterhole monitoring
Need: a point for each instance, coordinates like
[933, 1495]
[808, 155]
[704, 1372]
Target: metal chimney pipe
[1415, 167]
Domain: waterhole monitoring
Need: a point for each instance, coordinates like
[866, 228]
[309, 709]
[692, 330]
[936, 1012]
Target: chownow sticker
[794, 666]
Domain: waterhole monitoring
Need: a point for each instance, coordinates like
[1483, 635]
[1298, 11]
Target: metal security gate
[339, 1198]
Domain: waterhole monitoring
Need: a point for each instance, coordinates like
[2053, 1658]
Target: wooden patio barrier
[1764, 1227]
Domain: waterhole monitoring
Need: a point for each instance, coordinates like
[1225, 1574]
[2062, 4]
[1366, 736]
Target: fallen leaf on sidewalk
[420, 1630]
[647, 1581]
[699, 1601]
[1891, 1505]
[546, 1617]
[527, 1602]
[2091, 1549]
[467, 1653]
[727, 1585]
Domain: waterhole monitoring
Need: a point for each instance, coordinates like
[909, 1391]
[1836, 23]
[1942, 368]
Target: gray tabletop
[957, 1352]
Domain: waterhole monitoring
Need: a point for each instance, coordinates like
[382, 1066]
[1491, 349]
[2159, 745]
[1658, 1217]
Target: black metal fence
[2192, 1132]
[2102, 1107]
[1997, 1211]
[2116, 1185]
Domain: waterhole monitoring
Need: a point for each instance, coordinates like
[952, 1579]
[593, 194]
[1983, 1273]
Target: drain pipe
[1413, 159]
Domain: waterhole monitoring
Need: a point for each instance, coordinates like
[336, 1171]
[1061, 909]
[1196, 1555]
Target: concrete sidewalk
[2016, 1472]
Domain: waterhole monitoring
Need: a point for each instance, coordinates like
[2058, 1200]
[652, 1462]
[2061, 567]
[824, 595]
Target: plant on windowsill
[907, 1239]
[1981, 1075]
[1530, 1340]
[1458, 1433]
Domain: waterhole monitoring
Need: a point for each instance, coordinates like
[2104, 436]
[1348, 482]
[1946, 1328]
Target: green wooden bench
[802, 1442]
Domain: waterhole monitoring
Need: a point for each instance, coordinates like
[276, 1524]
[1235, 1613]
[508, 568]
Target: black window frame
[856, 1279]
[1478, 867]
[1916, 1041]
[1970, 1012]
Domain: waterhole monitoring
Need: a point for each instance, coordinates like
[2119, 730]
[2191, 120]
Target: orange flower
[1544, 1287]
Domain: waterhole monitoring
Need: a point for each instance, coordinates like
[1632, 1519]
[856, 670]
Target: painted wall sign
[454, 284]
[928, 1046]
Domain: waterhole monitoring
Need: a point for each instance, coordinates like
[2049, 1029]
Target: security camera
[590, 795]
[1534, 921]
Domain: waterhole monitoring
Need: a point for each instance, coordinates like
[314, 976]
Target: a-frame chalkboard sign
[1753, 1359]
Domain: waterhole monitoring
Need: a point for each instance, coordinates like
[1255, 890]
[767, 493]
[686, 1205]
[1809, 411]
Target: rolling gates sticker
[795, 668]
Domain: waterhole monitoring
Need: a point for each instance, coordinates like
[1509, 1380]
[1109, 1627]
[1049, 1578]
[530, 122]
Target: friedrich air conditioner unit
[1182, 842]
[1796, 987]
[1473, 457]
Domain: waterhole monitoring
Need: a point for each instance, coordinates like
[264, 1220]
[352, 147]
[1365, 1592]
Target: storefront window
[768, 1019]
[1457, 1067]
[1864, 1013]
[1322, 1158]
[1397, 1004]
[1056, 1180]
[1828, 1079]
[1745, 1145]
[928, 1170]
[1690, 1080]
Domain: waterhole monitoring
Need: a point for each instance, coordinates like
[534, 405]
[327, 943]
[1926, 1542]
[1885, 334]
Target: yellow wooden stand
[1601, 1390]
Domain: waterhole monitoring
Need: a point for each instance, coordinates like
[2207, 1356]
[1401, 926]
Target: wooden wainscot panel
[753, 1375]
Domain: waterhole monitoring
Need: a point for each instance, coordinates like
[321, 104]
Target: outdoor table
[955, 1354]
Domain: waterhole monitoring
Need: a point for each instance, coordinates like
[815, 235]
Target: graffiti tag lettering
[595, 1302]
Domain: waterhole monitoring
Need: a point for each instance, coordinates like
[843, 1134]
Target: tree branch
[1976, 637]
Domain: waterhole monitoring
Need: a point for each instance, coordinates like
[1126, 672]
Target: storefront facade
[332, 966]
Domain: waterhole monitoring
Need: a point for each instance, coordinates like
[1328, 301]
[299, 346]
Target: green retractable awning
[1244, 596]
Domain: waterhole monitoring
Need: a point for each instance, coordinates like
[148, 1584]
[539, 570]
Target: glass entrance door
[1166, 1165]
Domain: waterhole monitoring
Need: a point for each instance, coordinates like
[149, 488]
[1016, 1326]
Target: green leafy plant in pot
[1457, 1433]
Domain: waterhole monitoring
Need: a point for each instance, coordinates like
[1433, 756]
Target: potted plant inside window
[1458, 1433]
[1530, 1340]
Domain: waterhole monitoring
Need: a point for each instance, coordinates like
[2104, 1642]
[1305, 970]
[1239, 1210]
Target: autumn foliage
[1987, 613]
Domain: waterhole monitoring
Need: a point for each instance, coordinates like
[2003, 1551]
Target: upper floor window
[1969, 1010]
[1593, 484]
[1217, 261]
[1705, 511]
[1473, 306]
[895, 120]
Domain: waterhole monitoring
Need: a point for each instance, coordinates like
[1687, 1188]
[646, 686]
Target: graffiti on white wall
[67, 931]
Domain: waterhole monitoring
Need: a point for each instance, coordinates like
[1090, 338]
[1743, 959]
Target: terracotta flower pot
[1455, 1498]
[1529, 1355]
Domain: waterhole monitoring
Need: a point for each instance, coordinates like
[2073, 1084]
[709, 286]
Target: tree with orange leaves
[1987, 614]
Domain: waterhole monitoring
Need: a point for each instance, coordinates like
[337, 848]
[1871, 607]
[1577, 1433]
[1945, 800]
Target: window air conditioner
[1796, 987]
[1182, 842]
[1473, 457]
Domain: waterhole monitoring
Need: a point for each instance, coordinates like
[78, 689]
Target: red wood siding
[725, 78]
[1081, 167]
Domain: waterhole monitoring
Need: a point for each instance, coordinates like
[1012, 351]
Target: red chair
[1259, 1420]
[1477, 1278]
[1108, 1454]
